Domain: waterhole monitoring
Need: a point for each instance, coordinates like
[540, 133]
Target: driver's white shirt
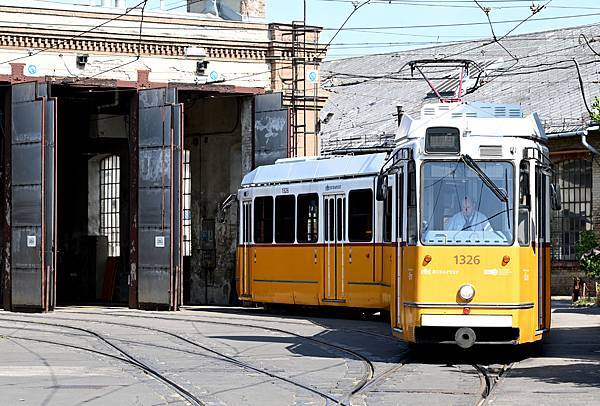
[477, 222]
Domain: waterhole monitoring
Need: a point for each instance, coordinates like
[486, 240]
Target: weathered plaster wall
[217, 132]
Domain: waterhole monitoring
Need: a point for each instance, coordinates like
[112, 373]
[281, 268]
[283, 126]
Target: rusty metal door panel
[159, 204]
[32, 219]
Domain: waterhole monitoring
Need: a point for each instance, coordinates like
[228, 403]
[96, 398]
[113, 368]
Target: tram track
[489, 377]
[367, 363]
[491, 381]
[329, 398]
[126, 357]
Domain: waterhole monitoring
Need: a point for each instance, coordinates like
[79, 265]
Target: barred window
[575, 180]
[187, 204]
[110, 182]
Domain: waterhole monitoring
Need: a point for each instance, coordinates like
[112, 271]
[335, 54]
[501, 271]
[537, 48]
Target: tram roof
[315, 168]
[474, 118]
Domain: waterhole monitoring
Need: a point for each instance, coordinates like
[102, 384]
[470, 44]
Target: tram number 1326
[467, 259]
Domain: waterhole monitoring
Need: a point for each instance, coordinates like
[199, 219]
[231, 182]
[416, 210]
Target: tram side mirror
[381, 185]
[555, 200]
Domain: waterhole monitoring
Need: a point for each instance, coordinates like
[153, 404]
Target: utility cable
[487, 11]
[138, 53]
[581, 87]
[588, 44]
[356, 8]
[127, 11]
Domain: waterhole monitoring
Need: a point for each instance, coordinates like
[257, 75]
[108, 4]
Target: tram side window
[263, 220]
[387, 215]
[360, 215]
[285, 219]
[412, 203]
[524, 204]
[308, 218]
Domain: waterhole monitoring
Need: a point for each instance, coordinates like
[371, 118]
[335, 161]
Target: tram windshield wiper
[500, 194]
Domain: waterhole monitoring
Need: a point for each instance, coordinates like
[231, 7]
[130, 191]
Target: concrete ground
[568, 370]
[235, 356]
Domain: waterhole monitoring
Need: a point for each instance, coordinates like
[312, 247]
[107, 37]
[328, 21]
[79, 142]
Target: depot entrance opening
[93, 177]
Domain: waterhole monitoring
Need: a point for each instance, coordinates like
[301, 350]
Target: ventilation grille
[515, 113]
[473, 110]
[490, 151]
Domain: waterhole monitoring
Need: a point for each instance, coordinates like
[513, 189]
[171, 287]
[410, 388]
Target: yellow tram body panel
[297, 274]
[431, 289]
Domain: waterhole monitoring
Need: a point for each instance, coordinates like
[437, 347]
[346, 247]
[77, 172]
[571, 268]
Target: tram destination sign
[442, 140]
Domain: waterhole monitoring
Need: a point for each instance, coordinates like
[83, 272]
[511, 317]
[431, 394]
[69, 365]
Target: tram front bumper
[466, 330]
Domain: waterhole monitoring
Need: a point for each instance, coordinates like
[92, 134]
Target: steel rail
[134, 361]
[368, 364]
[490, 383]
[222, 356]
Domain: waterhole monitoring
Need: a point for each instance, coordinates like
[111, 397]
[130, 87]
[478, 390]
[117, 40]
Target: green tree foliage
[589, 254]
[596, 109]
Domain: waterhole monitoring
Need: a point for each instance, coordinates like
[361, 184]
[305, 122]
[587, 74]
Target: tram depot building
[116, 140]
[368, 94]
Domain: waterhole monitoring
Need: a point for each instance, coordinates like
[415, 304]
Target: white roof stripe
[313, 169]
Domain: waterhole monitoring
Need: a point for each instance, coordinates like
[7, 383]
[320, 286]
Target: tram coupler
[465, 337]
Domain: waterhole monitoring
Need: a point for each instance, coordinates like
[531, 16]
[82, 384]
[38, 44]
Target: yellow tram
[450, 231]
[310, 234]
[472, 183]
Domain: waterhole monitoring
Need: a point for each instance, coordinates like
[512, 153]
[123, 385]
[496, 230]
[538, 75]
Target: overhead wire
[582, 35]
[138, 53]
[58, 43]
[487, 12]
[356, 8]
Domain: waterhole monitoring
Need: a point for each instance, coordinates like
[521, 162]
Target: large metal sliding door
[33, 201]
[159, 229]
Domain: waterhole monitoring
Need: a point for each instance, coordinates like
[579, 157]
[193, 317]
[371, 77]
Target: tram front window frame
[490, 229]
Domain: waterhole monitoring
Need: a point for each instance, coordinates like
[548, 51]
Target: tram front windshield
[460, 208]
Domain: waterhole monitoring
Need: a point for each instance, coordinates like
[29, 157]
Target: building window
[263, 220]
[285, 219]
[575, 180]
[360, 215]
[187, 204]
[308, 218]
[110, 181]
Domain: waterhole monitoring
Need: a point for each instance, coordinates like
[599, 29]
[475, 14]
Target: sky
[384, 26]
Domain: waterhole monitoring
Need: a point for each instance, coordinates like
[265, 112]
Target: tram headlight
[466, 292]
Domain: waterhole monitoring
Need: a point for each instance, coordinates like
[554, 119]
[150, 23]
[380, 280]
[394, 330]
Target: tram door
[246, 255]
[335, 231]
[400, 234]
[542, 246]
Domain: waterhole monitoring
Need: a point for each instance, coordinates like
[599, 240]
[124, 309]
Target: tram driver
[468, 218]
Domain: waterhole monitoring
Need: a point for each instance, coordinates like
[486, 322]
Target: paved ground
[228, 356]
[568, 371]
